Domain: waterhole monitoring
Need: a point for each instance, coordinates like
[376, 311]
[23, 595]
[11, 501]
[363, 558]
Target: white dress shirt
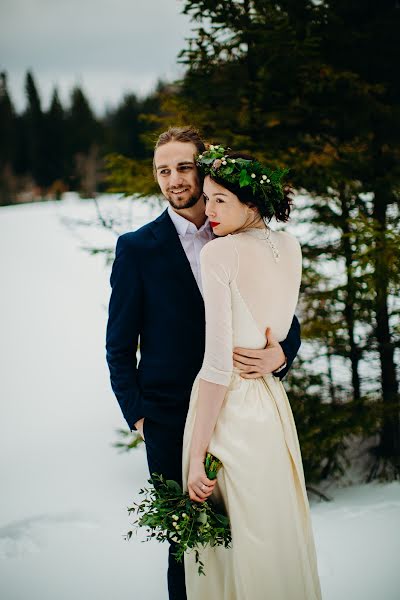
[192, 240]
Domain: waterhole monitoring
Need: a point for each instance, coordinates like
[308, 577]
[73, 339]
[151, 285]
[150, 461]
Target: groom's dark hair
[186, 134]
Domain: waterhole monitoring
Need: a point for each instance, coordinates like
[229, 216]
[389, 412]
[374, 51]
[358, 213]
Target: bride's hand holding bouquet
[200, 487]
[169, 514]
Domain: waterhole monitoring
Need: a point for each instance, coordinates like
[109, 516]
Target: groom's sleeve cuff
[280, 368]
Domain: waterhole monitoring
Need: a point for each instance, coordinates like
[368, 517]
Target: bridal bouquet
[169, 514]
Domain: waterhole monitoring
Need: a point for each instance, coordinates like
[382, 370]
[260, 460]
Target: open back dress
[249, 283]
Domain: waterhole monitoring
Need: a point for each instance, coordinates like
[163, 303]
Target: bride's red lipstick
[213, 223]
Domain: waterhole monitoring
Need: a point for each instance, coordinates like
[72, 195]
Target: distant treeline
[45, 152]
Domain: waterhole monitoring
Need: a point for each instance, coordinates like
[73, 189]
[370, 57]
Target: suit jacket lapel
[171, 248]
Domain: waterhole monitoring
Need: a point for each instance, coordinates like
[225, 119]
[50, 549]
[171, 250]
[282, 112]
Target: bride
[251, 278]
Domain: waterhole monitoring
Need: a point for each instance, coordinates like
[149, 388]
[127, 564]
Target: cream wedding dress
[246, 288]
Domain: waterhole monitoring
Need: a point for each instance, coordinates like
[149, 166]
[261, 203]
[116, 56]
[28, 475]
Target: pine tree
[7, 123]
[56, 134]
[7, 143]
[84, 129]
[84, 133]
[125, 128]
[34, 126]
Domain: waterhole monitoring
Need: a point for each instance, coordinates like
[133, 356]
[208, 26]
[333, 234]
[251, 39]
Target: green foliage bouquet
[168, 514]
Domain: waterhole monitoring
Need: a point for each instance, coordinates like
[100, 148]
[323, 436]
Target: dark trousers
[164, 456]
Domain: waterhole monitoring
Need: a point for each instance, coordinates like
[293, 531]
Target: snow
[65, 489]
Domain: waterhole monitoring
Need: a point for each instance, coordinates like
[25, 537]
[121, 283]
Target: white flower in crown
[253, 175]
[211, 147]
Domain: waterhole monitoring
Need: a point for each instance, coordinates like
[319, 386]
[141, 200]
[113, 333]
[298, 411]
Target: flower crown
[263, 181]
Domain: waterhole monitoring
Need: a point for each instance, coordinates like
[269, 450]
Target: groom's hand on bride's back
[256, 363]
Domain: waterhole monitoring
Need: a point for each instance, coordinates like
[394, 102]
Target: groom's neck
[195, 214]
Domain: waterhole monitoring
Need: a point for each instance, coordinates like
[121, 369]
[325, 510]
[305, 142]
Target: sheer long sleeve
[219, 263]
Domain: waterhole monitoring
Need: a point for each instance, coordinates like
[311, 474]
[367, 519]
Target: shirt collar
[183, 226]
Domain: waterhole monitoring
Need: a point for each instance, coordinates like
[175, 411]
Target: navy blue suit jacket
[155, 301]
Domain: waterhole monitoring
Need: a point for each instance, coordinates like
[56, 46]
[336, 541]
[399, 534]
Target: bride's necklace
[265, 235]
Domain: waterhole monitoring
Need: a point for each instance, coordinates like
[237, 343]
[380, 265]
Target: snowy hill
[65, 489]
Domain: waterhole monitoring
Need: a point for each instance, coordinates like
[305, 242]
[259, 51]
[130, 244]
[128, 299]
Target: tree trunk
[355, 353]
[251, 69]
[389, 446]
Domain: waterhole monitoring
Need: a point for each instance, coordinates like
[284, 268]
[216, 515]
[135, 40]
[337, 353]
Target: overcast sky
[107, 46]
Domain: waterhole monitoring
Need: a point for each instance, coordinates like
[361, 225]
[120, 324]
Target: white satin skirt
[261, 487]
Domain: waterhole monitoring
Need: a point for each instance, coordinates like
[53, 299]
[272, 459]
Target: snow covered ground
[64, 488]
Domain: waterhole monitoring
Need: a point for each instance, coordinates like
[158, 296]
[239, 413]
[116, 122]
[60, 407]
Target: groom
[156, 298]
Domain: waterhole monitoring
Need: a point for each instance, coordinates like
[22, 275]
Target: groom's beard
[178, 204]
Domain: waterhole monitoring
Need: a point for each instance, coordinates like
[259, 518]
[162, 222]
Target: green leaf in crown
[244, 178]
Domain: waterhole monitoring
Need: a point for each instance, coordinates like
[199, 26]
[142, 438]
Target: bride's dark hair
[246, 196]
